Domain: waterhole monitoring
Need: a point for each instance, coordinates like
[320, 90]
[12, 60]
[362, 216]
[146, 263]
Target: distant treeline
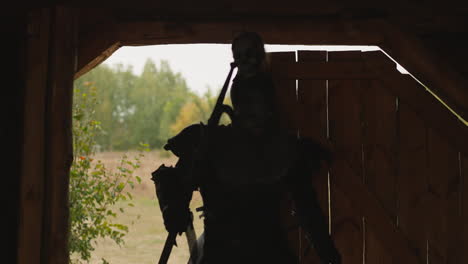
[147, 108]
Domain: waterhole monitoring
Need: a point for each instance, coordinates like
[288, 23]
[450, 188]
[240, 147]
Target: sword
[171, 241]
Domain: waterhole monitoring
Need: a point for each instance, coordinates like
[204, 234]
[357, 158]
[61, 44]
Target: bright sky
[202, 65]
[207, 65]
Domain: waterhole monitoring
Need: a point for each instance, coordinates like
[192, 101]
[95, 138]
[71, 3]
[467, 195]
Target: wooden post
[58, 148]
[33, 158]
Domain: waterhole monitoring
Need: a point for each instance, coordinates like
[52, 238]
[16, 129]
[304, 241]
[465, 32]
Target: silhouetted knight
[243, 172]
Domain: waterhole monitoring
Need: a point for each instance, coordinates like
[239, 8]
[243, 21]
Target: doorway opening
[141, 99]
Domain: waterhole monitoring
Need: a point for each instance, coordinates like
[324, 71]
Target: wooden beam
[58, 148]
[433, 72]
[274, 30]
[33, 147]
[332, 70]
[432, 111]
[95, 46]
[98, 42]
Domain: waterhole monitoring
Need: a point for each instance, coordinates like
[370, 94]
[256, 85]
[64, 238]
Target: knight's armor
[243, 181]
[243, 172]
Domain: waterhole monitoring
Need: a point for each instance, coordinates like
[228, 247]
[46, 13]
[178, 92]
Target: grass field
[146, 236]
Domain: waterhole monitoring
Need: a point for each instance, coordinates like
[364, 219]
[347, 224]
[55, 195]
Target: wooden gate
[397, 191]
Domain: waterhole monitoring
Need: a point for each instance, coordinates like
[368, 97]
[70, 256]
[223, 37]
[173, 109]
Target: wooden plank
[322, 70]
[428, 108]
[345, 134]
[345, 113]
[379, 140]
[444, 190]
[375, 251]
[379, 149]
[59, 151]
[455, 220]
[312, 101]
[312, 112]
[32, 176]
[285, 91]
[347, 183]
[464, 208]
[287, 104]
[347, 226]
[412, 179]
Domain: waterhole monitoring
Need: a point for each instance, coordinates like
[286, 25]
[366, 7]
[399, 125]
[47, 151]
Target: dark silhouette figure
[244, 171]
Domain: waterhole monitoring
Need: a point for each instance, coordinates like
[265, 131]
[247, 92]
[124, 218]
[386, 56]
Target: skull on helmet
[249, 54]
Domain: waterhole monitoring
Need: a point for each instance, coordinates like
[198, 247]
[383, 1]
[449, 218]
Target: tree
[158, 96]
[197, 110]
[134, 109]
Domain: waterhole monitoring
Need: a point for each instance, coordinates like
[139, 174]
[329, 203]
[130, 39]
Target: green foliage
[95, 190]
[150, 108]
[136, 109]
[196, 110]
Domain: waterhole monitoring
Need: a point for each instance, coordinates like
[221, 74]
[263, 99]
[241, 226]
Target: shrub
[95, 190]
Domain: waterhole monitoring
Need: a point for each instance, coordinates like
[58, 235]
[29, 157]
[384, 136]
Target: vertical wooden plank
[464, 208]
[59, 152]
[285, 90]
[347, 226]
[32, 177]
[412, 179]
[312, 116]
[454, 211]
[345, 133]
[443, 192]
[380, 134]
[379, 140]
[345, 113]
[312, 101]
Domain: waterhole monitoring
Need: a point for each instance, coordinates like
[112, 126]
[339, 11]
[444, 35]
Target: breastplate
[238, 161]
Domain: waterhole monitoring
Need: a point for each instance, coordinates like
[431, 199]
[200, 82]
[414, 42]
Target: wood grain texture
[312, 115]
[464, 207]
[285, 91]
[345, 134]
[444, 190]
[33, 159]
[59, 151]
[379, 150]
[413, 202]
[409, 91]
[379, 145]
